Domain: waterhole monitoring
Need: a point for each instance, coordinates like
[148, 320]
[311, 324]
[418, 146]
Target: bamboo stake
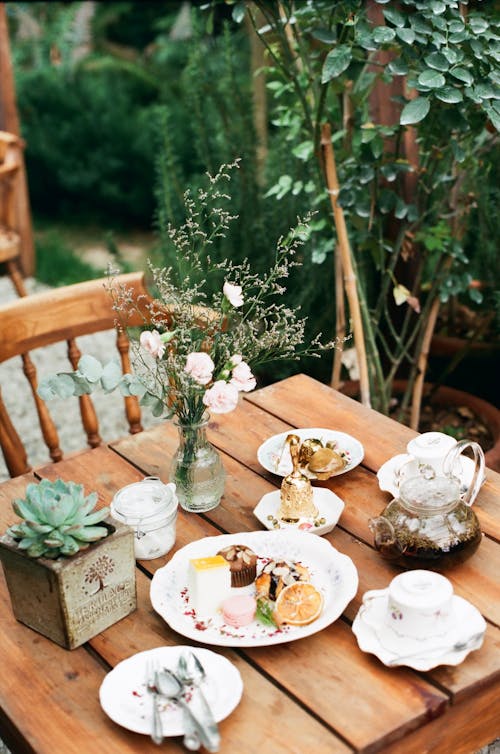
[418, 387]
[346, 260]
[340, 323]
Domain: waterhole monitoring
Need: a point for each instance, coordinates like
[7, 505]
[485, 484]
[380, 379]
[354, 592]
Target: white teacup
[419, 604]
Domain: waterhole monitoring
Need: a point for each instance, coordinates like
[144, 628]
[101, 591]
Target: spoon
[171, 687]
[192, 673]
[473, 642]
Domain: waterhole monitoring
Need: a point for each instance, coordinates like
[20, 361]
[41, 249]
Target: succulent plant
[57, 519]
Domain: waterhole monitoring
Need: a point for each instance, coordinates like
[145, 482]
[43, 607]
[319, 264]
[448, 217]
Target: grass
[62, 251]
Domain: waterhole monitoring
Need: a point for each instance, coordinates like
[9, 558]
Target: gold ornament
[296, 493]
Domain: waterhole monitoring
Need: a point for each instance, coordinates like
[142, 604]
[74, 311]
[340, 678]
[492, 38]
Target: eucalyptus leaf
[478, 24]
[437, 6]
[458, 151]
[389, 172]
[56, 386]
[438, 61]
[394, 16]
[486, 91]
[406, 35]
[132, 385]
[457, 37]
[238, 13]
[449, 94]
[415, 111]
[377, 146]
[90, 368]
[328, 36]
[398, 67]
[452, 56]
[336, 62]
[492, 115]
[304, 150]
[401, 209]
[111, 376]
[158, 409]
[455, 26]
[383, 34]
[462, 74]
[432, 79]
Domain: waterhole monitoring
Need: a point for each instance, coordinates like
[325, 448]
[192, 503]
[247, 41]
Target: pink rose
[200, 366]
[243, 378]
[233, 294]
[221, 398]
[151, 342]
[237, 358]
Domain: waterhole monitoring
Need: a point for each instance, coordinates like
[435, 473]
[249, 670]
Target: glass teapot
[431, 523]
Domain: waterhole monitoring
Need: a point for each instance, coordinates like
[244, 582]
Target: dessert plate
[329, 506]
[274, 456]
[332, 572]
[376, 637]
[398, 468]
[125, 699]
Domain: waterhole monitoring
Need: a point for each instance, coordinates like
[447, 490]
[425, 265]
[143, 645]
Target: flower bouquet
[197, 351]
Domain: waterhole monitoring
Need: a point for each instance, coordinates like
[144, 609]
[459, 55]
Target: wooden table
[318, 694]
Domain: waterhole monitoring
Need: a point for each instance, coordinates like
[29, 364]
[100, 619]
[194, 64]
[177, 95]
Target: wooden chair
[63, 314]
[10, 239]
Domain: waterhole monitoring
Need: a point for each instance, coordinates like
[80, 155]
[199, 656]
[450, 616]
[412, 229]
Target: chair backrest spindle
[63, 314]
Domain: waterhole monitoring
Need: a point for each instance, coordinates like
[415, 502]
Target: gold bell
[296, 494]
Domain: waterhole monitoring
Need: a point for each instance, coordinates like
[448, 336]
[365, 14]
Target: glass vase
[197, 469]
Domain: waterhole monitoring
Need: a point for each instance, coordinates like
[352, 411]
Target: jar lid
[431, 495]
[144, 501]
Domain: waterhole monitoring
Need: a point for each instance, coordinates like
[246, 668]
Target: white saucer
[126, 700]
[329, 506]
[376, 637]
[387, 475]
[274, 455]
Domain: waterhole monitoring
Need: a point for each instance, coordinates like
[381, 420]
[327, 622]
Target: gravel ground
[17, 396]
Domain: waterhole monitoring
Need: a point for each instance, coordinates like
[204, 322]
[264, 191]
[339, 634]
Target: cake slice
[209, 582]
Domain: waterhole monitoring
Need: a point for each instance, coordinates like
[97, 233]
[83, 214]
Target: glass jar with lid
[150, 508]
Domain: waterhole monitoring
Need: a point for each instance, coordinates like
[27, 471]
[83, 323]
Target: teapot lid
[421, 494]
[145, 500]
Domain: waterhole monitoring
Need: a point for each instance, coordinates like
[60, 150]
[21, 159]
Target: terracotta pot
[476, 373]
[448, 396]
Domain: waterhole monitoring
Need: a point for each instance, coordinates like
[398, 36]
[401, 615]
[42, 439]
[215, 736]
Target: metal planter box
[70, 600]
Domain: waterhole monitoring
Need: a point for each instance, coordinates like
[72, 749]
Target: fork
[152, 687]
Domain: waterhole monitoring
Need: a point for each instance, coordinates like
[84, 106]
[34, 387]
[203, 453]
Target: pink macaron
[239, 610]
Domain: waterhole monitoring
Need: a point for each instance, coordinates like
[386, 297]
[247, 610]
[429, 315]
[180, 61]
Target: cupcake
[242, 564]
[239, 610]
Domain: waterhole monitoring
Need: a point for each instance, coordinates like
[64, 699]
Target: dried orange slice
[298, 604]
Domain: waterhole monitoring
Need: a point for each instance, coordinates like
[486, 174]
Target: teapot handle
[479, 465]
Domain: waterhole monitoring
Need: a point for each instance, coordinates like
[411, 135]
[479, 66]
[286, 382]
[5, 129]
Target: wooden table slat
[318, 693]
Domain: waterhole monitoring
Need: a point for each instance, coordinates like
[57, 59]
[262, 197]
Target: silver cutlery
[152, 687]
[192, 673]
[473, 642]
[171, 687]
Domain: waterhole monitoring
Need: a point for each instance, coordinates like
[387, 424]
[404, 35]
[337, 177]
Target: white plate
[376, 637]
[333, 573]
[388, 475]
[275, 457]
[126, 700]
[329, 506]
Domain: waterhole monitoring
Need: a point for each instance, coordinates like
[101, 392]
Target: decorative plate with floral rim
[332, 572]
[274, 454]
